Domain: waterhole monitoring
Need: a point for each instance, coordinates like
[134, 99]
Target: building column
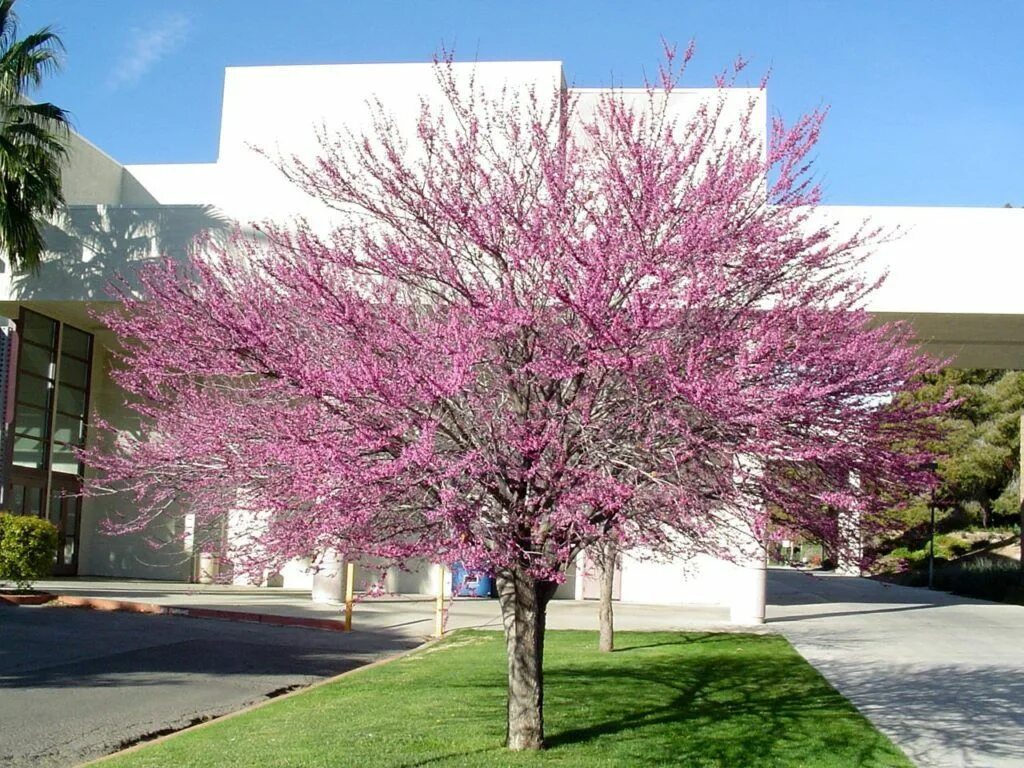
[329, 579]
[851, 546]
[850, 552]
[750, 575]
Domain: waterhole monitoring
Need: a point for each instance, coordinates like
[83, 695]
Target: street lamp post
[931, 466]
[931, 550]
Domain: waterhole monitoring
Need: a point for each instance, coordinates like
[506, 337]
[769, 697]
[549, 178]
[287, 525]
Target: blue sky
[926, 96]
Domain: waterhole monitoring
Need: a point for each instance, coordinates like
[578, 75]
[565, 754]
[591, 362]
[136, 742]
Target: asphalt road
[942, 676]
[77, 684]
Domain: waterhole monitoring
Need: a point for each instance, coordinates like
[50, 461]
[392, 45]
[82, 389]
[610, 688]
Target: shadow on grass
[705, 637]
[445, 758]
[728, 700]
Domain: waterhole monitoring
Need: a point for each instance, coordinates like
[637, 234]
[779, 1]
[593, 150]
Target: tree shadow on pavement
[969, 714]
[69, 648]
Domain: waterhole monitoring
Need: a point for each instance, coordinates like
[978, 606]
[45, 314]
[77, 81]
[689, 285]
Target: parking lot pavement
[78, 684]
[941, 675]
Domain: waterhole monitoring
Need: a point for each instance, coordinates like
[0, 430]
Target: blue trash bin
[470, 582]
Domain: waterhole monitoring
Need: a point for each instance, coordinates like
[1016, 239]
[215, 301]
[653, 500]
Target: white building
[955, 273]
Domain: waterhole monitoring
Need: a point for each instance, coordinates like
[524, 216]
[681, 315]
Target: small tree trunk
[524, 602]
[606, 618]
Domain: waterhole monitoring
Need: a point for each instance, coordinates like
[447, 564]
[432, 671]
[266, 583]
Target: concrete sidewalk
[409, 615]
[941, 675]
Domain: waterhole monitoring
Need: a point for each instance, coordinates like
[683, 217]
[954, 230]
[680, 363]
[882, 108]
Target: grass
[691, 699]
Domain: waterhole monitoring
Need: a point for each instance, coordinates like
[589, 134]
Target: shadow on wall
[90, 245]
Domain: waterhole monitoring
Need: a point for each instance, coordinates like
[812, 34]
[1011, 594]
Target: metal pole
[439, 606]
[350, 578]
[931, 553]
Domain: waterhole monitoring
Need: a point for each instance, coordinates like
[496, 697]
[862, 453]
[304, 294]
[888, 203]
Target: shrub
[988, 578]
[27, 549]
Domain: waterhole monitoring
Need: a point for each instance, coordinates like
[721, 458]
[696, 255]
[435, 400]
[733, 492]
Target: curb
[261, 704]
[37, 598]
[131, 606]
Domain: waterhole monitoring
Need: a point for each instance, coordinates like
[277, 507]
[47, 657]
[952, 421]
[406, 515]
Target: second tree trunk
[606, 561]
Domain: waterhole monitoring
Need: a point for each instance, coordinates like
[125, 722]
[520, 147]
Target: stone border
[131, 606]
[261, 704]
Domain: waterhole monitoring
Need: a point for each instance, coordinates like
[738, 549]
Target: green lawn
[689, 699]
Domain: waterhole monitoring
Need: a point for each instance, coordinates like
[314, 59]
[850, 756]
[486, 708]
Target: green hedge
[28, 546]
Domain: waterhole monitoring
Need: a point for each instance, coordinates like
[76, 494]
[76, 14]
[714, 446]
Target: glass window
[37, 360]
[74, 372]
[64, 459]
[71, 401]
[46, 434]
[28, 452]
[55, 499]
[75, 343]
[33, 501]
[68, 429]
[38, 328]
[35, 392]
[31, 422]
[17, 498]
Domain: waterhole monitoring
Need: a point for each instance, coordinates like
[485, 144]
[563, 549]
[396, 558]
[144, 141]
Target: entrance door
[66, 513]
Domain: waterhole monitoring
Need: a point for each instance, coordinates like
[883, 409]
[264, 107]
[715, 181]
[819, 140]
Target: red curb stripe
[130, 606]
[39, 598]
[103, 604]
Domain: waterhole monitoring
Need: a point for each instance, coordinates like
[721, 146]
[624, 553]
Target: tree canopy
[534, 325]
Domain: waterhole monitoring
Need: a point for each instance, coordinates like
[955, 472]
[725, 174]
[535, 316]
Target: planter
[329, 579]
[209, 568]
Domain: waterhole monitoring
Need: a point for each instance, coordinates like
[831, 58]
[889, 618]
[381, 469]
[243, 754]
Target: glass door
[65, 513]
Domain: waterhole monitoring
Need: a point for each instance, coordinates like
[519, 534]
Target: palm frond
[33, 140]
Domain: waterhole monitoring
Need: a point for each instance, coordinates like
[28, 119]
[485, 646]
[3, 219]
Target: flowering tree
[536, 327]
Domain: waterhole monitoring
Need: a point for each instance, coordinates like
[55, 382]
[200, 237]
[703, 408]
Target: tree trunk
[609, 552]
[524, 602]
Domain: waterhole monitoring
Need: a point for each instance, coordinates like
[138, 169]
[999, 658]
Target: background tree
[978, 447]
[33, 140]
[534, 328]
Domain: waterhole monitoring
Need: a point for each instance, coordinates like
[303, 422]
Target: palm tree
[33, 140]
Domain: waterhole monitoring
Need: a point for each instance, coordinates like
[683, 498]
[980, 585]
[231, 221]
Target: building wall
[948, 267]
[91, 177]
[702, 580]
[126, 555]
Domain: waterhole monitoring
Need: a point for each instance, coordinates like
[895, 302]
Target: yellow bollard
[439, 607]
[350, 577]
